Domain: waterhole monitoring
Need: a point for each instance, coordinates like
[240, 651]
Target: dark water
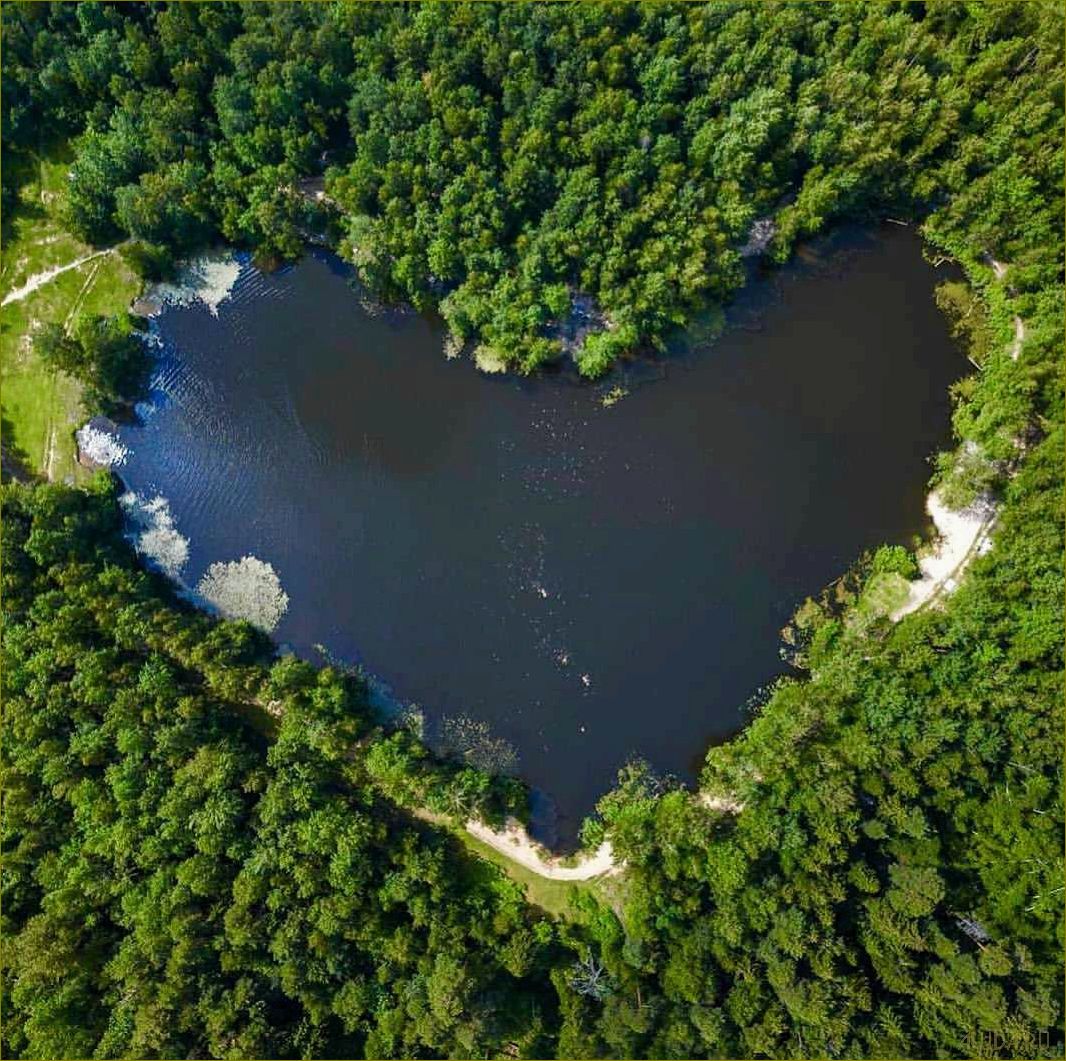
[595, 583]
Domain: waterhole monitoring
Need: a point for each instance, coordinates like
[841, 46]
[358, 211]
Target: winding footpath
[516, 844]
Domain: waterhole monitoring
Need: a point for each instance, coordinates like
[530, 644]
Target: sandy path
[515, 843]
[50, 457]
[1019, 338]
[963, 535]
[40, 279]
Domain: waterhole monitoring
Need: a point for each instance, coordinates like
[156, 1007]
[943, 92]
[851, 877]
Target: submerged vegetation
[206, 851]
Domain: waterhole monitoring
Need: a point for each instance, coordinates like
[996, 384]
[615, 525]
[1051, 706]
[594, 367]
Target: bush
[894, 560]
[102, 353]
[150, 261]
[601, 348]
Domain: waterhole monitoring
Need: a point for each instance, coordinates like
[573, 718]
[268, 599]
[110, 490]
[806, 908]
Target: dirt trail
[50, 456]
[963, 535]
[89, 281]
[40, 279]
[1019, 338]
[514, 842]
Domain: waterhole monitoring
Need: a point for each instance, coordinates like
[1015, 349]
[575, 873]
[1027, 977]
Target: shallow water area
[593, 581]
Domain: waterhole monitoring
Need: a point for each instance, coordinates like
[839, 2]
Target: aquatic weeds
[489, 360]
[470, 740]
[208, 279]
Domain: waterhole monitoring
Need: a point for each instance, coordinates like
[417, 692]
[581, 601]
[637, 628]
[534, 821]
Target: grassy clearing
[40, 408]
[552, 896]
[884, 593]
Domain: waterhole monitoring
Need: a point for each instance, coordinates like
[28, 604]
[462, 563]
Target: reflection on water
[593, 581]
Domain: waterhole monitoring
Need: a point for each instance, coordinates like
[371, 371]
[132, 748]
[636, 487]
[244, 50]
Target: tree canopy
[206, 847]
[506, 161]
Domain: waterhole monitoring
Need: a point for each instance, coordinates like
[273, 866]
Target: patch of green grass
[41, 409]
[555, 897]
[884, 593]
[552, 896]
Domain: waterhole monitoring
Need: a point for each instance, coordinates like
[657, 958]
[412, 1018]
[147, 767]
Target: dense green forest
[204, 848]
[503, 160]
[179, 882]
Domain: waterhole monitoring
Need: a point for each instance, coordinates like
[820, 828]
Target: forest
[503, 162]
[211, 850]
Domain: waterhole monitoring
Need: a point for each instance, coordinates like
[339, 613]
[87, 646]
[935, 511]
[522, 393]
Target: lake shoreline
[240, 302]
